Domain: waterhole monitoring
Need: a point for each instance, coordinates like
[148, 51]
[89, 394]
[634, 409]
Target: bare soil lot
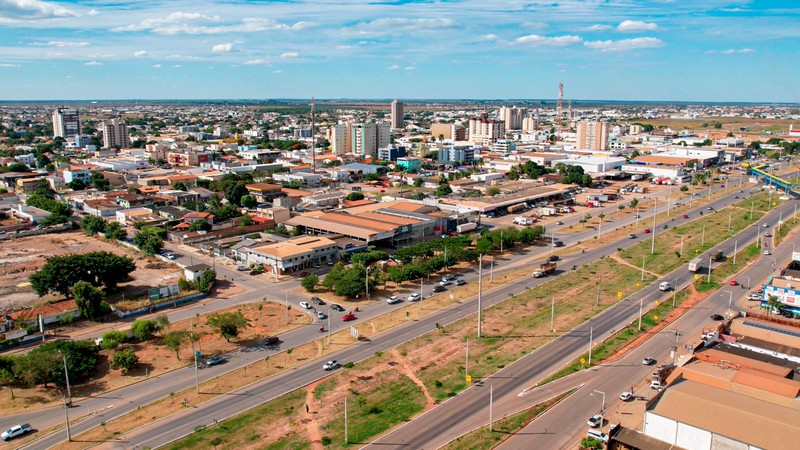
[20, 258]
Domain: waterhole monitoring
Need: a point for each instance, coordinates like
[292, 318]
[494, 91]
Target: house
[30, 213]
[101, 207]
[132, 215]
[195, 272]
[264, 192]
[193, 216]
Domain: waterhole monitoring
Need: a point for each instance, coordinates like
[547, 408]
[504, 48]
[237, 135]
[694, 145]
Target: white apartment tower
[593, 135]
[513, 117]
[397, 114]
[341, 138]
[530, 123]
[115, 132]
[483, 131]
[66, 122]
[367, 138]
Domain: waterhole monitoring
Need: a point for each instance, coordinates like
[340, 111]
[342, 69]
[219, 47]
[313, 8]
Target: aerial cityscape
[408, 224]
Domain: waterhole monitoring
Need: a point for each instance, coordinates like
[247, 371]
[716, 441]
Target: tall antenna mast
[313, 141]
[560, 104]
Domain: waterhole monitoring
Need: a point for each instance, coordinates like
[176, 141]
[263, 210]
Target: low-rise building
[264, 192]
[292, 255]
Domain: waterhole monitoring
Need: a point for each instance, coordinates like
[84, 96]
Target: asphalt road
[116, 403]
[441, 424]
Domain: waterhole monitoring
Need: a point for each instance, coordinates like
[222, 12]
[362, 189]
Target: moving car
[595, 421]
[448, 278]
[767, 234]
[765, 225]
[664, 286]
[648, 361]
[710, 208]
[558, 222]
[272, 340]
[626, 396]
[646, 230]
[414, 297]
[305, 305]
[336, 307]
[767, 252]
[317, 300]
[553, 258]
[16, 430]
[632, 236]
[214, 360]
[439, 288]
[717, 317]
[332, 364]
[241, 268]
[393, 299]
[348, 317]
[460, 282]
[685, 216]
[734, 283]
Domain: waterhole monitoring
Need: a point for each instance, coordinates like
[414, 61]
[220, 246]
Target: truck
[516, 208]
[719, 256]
[522, 220]
[544, 269]
[546, 211]
[695, 264]
[466, 227]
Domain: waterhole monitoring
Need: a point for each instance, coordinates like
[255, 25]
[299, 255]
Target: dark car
[439, 288]
[271, 341]
[552, 258]
[717, 317]
[255, 272]
[317, 300]
[336, 307]
[213, 361]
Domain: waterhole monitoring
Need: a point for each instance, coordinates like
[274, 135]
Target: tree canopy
[100, 269]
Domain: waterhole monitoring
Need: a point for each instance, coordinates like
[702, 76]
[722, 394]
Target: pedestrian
[306, 408]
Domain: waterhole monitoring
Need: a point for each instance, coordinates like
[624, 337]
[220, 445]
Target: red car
[734, 283]
[685, 216]
[348, 317]
[646, 230]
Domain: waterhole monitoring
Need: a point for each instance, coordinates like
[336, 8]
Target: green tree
[684, 188]
[114, 231]
[200, 225]
[774, 304]
[149, 243]
[126, 360]
[246, 220]
[175, 339]
[180, 186]
[492, 191]
[634, 202]
[76, 185]
[99, 181]
[89, 300]
[418, 182]
[418, 196]
[92, 225]
[60, 273]
[355, 196]
[144, 329]
[228, 325]
[249, 201]
[113, 339]
[513, 174]
[442, 190]
[309, 283]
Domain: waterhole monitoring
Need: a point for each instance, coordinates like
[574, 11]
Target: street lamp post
[66, 415]
[653, 243]
[602, 402]
[66, 376]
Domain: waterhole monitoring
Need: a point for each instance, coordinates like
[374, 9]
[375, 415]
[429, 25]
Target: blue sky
[692, 50]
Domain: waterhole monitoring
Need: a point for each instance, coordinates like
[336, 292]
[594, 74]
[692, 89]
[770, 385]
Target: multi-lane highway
[124, 400]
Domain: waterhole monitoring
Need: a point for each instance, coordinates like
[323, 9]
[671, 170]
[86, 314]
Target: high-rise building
[483, 131]
[66, 122]
[448, 131]
[512, 116]
[530, 123]
[115, 133]
[397, 114]
[341, 138]
[593, 135]
[367, 138]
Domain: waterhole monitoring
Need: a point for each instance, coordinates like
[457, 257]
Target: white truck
[522, 220]
[466, 227]
[695, 264]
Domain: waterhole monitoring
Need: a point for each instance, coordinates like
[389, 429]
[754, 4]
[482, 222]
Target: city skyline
[661, 50]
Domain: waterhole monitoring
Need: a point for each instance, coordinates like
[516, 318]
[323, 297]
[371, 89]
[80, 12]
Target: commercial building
[391, 152]
[592, 135]
[504, 146]
[593, 164]
[292, 255]
[448, 131]
[410, 164]
[115, 133]
[397, 114]
[484, 131]
[457, 154]
[66, 122]
[513, 117]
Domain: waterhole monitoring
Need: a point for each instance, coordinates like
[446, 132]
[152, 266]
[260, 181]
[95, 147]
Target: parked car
[336, 307]
[754, 296]
[305, 305]
[439, 288]
[448, 278]
[393, 299]
[595, 421]
[16, 430]
[414, 297]
[626, 396]
[445, 282]
[767, 252]
[648, 361]
[330, 365]
[241, 268]
[255, 272]
[717, 317]
[214, 360]
[317, 300]
[348, 317]
[767, 234]
[321, 315]
[460, 282]
[655, 384]
[271, 341]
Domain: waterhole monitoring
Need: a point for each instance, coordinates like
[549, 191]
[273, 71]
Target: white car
[448, 278]
[16, 430]
[414, 297]
[767, 252]
[332, 364]
[595, 421]
[445, 282]
[626, 396]
[305, 305]
[393, 299]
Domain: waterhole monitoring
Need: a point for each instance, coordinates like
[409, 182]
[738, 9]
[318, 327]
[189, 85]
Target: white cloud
[92, 12]
[140, 54]
[536, 40]
[156, 66]
[625, 45]
[93, 63]
[289, 55]
[223, 48]
[393, 67]
[534, 25]
[277, 71]
[401, 25]
[196, 23]
[635, 26]
[488, 37]
[345, 47]
[253, 62]
[598, 27]
[9, 65]
[30, 10]
[176, 66]
[731, 51]
[62, 44]
[410, 68]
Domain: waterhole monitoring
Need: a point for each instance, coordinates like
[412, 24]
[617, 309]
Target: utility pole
[553, 314]
[480, 291]
[674, 292]
[598, 291]
[346, 434]
[591, 336]
[66, 375]
[643, 257]
[709, 268]
[329, 324]
[196, 376]
[366, 281]
[681, 246]
[703, 236]
[286, 295]
[66, 415]
[641, 305]
[735, 247]
[653, 243]
[466, 363]
[491, 398]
